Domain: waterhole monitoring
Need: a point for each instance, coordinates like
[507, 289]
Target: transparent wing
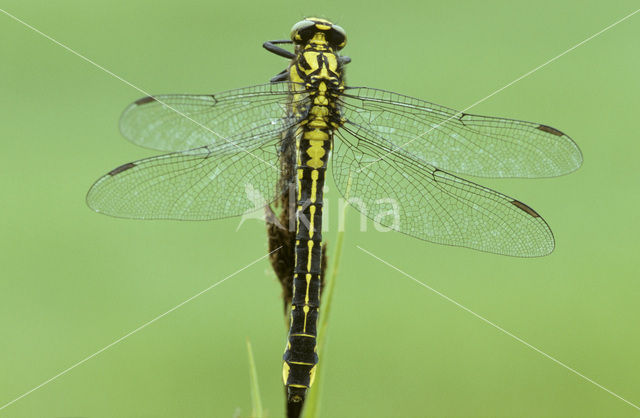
[209, 182]
[180, 121]
[411, 196]
[459, 142]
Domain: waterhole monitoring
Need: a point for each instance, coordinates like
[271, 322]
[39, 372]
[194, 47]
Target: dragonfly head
[303, 31]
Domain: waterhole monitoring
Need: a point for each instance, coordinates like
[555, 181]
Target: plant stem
[256, 402]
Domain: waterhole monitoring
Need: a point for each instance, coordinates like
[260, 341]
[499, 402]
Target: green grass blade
[256, 402]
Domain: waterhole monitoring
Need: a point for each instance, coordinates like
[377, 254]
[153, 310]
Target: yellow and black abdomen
[300, 356]
[317, 68]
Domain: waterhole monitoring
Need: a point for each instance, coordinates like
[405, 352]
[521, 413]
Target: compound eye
[302, 31]
[338, 37]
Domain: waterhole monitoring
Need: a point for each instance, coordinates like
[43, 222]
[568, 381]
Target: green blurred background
[74, 281]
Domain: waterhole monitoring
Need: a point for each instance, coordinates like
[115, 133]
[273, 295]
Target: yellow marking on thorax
[312, 59]
[320, 111]
[319, 40]
[324, 73]
[332, 62]
[318, 123]
[293, 75]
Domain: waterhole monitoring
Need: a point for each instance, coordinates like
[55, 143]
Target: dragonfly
[224, 149]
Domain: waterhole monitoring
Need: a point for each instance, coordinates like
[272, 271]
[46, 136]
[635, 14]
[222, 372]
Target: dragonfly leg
[344, 60]
[271, 47]
[281, 76]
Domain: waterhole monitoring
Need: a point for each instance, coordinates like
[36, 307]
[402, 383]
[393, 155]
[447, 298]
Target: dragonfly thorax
[318, 71]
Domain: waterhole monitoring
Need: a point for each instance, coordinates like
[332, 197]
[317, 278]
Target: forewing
[181, 121]
[209, 182]
[459, 142]
[409, 195]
